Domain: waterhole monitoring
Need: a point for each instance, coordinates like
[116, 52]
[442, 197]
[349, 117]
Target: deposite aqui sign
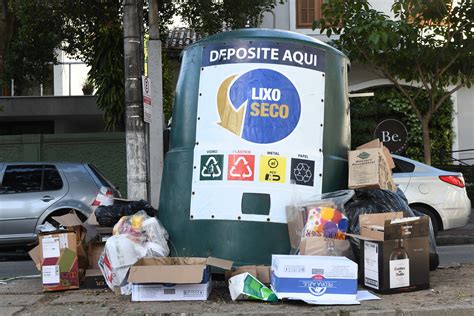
[258, 128]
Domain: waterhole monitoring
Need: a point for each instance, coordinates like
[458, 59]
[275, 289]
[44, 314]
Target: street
[16, 265]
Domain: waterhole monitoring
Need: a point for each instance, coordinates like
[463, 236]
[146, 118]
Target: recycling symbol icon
[241, 167]
[211, 167]
[302, 171]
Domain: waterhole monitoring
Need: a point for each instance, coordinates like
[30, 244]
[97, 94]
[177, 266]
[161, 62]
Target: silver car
[438, 193]
[31, 193]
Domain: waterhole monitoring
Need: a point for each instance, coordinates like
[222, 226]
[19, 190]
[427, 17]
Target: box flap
[376, 143]
[92, 220]
[68, 220]
[35, 255]
[219, 263]
[180, 274]
[369, 223]
[93, 273]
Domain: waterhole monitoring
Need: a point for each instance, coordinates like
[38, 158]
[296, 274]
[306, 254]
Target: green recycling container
[260, 121]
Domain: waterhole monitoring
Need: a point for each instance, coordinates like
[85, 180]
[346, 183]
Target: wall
[69, 75]
[104, 150]
[465, 109]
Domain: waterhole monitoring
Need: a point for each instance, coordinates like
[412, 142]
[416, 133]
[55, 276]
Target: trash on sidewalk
[135, 237]
[318, 227]
[61, 253]
[109, 215]
[173, 278]
[93, 277]
[375, 201]
[394, 252]
[370, 166]
[247, 287]
[325, 280]
[262, 273]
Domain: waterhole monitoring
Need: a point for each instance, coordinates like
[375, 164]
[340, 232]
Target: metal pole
[12, 88]
[134, 125]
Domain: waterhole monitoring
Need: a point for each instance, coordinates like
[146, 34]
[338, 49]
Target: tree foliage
[210, 16]
[387, 102]
[428, 42]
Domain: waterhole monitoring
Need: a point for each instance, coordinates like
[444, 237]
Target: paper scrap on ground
[366, 296]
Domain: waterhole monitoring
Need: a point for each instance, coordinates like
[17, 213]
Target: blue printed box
[315, 279]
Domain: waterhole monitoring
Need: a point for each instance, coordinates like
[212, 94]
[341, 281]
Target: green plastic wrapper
[246, 287]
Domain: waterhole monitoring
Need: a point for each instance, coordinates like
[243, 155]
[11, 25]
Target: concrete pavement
[451, 293]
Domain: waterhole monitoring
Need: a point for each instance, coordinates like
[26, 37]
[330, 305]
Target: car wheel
[431, 214]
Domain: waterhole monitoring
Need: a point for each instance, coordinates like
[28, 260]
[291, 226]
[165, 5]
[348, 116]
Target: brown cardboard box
[60, 254]
[262, 273]
[59, 262]
[317, 246]
[93, 279]
[370, 166]
[186, 278]
[394, 252]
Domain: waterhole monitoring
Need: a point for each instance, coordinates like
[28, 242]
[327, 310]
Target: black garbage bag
[372, 201]
[108, 216]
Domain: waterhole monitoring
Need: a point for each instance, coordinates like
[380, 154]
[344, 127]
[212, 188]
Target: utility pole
[157, 123]
[134, 125]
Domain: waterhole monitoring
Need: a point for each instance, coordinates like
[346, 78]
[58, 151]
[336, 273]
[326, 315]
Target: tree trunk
[134, 125]
[425, 125]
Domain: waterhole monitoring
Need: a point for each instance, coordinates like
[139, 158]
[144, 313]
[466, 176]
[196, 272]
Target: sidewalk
[451, 293]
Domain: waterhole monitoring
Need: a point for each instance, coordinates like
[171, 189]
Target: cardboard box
[61, 253]
[173, 279]
[262, 273]
[93, 279]
[370, 166]
[394, 252]
[315, 279]
[59, 262]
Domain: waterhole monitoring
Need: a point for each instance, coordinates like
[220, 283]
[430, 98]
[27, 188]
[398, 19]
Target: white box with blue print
[315, 279]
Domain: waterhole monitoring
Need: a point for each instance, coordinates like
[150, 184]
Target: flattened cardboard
[219, 263]
[68, 220]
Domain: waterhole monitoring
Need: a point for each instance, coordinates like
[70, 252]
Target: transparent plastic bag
[320, 220]
[146, 231]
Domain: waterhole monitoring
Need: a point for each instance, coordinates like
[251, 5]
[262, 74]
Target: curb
[454, 240]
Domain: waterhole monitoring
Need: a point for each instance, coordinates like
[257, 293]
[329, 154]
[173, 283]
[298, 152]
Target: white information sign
[259, 130]
[147, 102]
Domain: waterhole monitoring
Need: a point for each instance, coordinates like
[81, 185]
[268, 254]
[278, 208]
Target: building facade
[298, 16]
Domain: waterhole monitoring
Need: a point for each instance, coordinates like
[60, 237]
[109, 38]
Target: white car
[434, 192]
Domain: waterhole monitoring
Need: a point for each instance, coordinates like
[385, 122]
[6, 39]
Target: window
[402, 166]
[307, 11]
[51, 179]
[30, 178]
